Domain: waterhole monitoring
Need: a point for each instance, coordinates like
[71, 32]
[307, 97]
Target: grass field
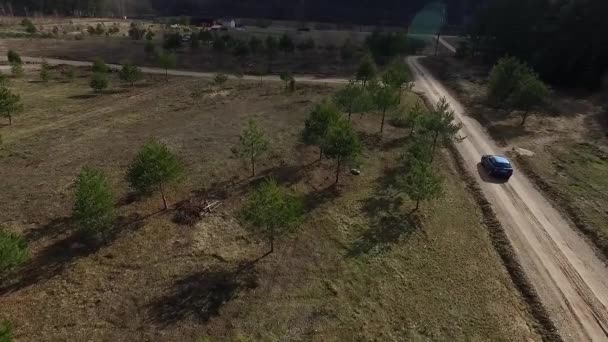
[362, 267]
[568, 137]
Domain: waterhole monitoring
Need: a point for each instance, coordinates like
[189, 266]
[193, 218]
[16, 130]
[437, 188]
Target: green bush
[99, 66]
[6, 331]
[99, 82]
[505, 77]
[13, 57]
[94, 205]
[13, 251]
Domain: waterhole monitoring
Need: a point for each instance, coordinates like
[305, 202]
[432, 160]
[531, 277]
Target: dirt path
[158, 71]
[570, 279]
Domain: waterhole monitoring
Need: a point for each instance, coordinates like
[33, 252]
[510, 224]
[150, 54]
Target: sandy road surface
[571, 280]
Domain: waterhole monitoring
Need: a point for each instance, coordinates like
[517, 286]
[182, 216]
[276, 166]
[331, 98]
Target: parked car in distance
[497, 166]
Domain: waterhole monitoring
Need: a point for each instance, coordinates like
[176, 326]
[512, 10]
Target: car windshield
[501, 161]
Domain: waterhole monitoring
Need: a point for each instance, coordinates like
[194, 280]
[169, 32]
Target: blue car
[497, 166]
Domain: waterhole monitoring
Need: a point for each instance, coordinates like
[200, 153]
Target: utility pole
[443, 20]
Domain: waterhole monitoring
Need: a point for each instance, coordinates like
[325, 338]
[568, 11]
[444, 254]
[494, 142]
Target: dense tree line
[563, 40]
[394, 12]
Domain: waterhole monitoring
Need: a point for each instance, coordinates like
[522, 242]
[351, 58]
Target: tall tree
[367, 70]
[130, 73]
[398, 76]
[94, 204]
[10, 104]
[385, 97]
[341, 144]
[530, 92]
[272, 212]
[440, 124]
[316, 126]
[154, 166]
[353, 98]
[252, 144]
[420, 182]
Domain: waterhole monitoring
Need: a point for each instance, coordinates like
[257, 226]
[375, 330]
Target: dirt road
[158, 71]
[571, 280]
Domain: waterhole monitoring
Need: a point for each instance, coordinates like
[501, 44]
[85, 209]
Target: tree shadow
[395, 143]
[64, 252]
[370, 140]
[389, 223]
[84, 96]
[317, 198]
[387, 230]
[201, 295]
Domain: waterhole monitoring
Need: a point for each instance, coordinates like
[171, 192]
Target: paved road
[571, 280]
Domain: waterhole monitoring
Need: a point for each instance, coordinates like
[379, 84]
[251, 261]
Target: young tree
[99, 82]
[149, 35]
[130, 73]
[252, 144]
[45, 72]
[94, 204]
[205, 36]
[398, 76]
[272, 212]
[286, 44]
[530, 92]
[195, 44]
[13, 57]
[254, 44]
[385, 98]
[353, 99]
[149, 48]
[286, 77]
[167, 60]
[99, 66]
[415, 114]
[347, 51]
[341, 143]
[220, 79]
[367, 70]
[10, 104]
[238, 73]
[440, 124]
[154, 166]
[69, 72]
[272, 47]
[17, 70]
[318, 123]
[421, 183]
[13, 251]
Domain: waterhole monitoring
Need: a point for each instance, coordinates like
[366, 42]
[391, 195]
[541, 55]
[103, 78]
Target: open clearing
[568, 137]
[359, 268]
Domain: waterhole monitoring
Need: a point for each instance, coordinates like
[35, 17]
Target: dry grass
[361, 267]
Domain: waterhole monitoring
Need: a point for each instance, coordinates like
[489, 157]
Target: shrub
[17, 69]
[13, 57]
[130, 73]
[69, 72]
[94, 205]
[286, 43]
[99, 66]
[504, 78]
[13, 251]
[220, 79]
[6, 331]
[154, 166]
[99, 82]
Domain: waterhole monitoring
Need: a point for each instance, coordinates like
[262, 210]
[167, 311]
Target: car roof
[501, 160]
